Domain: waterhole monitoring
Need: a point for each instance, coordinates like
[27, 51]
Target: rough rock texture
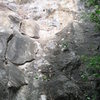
[49, 67]
[10, 75]
[3, 82]
[30, 27]
[21, 49]
[4, 36]
[62, 88]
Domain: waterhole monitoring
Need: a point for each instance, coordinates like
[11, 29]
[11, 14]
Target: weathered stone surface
[4, 93]
[18, 1]
[30, 28]
[22, 1]
[5, 20]
[11, 80]
[16, 81]
[15, 76]
[21, 49]
[61, 88]
[4, 36]
[56, 71]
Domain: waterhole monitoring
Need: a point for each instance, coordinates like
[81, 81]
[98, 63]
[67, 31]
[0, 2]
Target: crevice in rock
[28, 61]
[8, 40]
[6, 59]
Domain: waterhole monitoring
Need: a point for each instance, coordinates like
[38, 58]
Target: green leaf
[98, 11]
[97, 75]
[96, 6]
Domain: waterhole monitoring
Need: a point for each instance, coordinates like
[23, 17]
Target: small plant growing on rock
[64, 45]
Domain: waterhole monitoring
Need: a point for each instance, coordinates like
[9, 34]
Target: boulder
[21, 49]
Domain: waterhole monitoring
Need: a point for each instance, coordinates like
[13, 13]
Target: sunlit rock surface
[40, 47]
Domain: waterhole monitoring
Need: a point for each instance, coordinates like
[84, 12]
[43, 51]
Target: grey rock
[30, 28]
[61, 88]
[12, 6]
[4, 13]
[15, 19]
[16, 77]
[3, 83]
[4, 36]
[11, 80]
[16, 81]
[22, 1]
[21, 49]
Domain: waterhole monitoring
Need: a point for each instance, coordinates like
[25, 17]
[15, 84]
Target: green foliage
[64, 44]
[36, 77]
[93, 97]
[45, 77]
[91, 2]
[84, 76]
[94, 14]
[92, 66]
[88, 98]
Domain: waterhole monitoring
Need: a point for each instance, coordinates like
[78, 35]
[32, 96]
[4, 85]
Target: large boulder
[21, 49]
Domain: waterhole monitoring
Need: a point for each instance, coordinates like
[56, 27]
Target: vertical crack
[8, 40]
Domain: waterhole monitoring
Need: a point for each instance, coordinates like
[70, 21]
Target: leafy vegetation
[92, 66]
[64, 45]
[94, 14]
[92, 71]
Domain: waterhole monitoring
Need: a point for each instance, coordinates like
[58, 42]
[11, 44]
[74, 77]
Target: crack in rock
[21, 49]
[8, 40]
[28, 61]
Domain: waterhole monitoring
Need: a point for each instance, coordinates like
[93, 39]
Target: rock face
[3, 82]
[61, 88]
[38, 63]
[3, 43]
[5, 11]
[10, 76]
